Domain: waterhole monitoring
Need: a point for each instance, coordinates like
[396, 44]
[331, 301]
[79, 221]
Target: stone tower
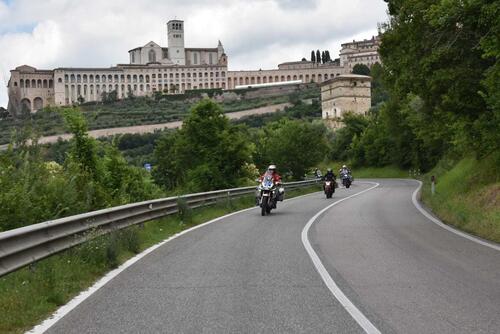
[175, 31]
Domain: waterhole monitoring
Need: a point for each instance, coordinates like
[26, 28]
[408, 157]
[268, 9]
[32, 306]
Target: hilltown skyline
[40, 39]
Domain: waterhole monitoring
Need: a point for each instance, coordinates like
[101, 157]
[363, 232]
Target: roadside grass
[366, 172]
[467, 195]
[30, 295]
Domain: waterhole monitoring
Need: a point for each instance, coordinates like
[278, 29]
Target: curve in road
[248, 273]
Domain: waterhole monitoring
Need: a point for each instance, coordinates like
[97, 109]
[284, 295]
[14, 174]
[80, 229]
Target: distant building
[360, 52]
[345, 93]
[173, 69]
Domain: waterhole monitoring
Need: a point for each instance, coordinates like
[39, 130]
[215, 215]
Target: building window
[152, 56]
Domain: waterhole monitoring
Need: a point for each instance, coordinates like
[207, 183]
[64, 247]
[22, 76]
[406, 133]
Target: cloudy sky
[255, 33]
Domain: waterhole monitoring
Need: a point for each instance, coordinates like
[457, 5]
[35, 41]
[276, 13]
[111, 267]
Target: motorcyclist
[345, 170]
[330, 175]
[271, 171]
[317, 173]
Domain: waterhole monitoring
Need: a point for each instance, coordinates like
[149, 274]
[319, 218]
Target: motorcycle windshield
[267, 182]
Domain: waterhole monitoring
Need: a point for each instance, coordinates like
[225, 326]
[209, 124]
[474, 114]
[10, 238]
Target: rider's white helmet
[344, 166]
[272, 167]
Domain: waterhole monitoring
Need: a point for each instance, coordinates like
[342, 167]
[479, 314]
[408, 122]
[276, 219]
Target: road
[252, 274]
[149, 128]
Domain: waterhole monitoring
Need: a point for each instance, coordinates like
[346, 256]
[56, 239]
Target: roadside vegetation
[30, 295]
[436, 108]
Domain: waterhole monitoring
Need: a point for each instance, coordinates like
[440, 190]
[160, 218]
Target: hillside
[144, 110]
[467, 195]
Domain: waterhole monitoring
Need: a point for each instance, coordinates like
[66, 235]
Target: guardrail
[26, 245]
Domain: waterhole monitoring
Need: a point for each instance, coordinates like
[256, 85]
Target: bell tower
[175, 31]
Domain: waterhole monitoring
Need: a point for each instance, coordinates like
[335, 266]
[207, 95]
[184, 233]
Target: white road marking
[360, 318]
[72, 304]
[447, 227]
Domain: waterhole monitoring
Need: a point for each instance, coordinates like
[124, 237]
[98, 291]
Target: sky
[256, 34]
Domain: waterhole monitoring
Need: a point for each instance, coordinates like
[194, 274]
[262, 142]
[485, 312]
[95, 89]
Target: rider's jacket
[344, 171]
[329, 176]
[275, 175]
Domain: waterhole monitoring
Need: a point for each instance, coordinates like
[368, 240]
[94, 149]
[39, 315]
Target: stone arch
[270, 78]
[78, 78]
[147, 77]
[45, 83]
[264, 79]
[258, 80]
[85, 78]
[141, 78]
[325, 76]
[282, 78]
[33, 83]
[110, 78]
[288, 78]
[246, 81]
[103, 78]
[21, 83]
[252, 80]
[39, 83]
[26, 104]
[276, 79]
[295, 77]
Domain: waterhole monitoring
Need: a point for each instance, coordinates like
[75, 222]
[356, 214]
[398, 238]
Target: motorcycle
[329, 187]
[346, 180]
[268, 194]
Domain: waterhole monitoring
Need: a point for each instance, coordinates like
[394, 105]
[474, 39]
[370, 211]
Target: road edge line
[82, 296]
[355, 313]
[438, 222]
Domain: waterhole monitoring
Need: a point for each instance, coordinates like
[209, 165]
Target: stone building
[305, 71]
[345, 93]
[153, 68]
[360, 52]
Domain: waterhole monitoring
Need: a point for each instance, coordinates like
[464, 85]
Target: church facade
[151, 68]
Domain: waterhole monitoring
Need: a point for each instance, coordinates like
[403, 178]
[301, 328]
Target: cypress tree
[313, 57]
[318, 56]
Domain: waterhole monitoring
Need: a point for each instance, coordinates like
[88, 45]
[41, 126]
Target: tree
[318, 57]
[361, 69]
[303, 59]
[379, 91]
[327, 55]
[313, 56]
[323, 59]
[207, 153]
[294, 146]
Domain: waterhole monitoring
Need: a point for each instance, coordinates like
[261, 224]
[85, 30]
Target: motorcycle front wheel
[263, 205]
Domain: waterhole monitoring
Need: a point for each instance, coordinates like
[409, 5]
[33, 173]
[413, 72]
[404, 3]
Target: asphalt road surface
[252, 274]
